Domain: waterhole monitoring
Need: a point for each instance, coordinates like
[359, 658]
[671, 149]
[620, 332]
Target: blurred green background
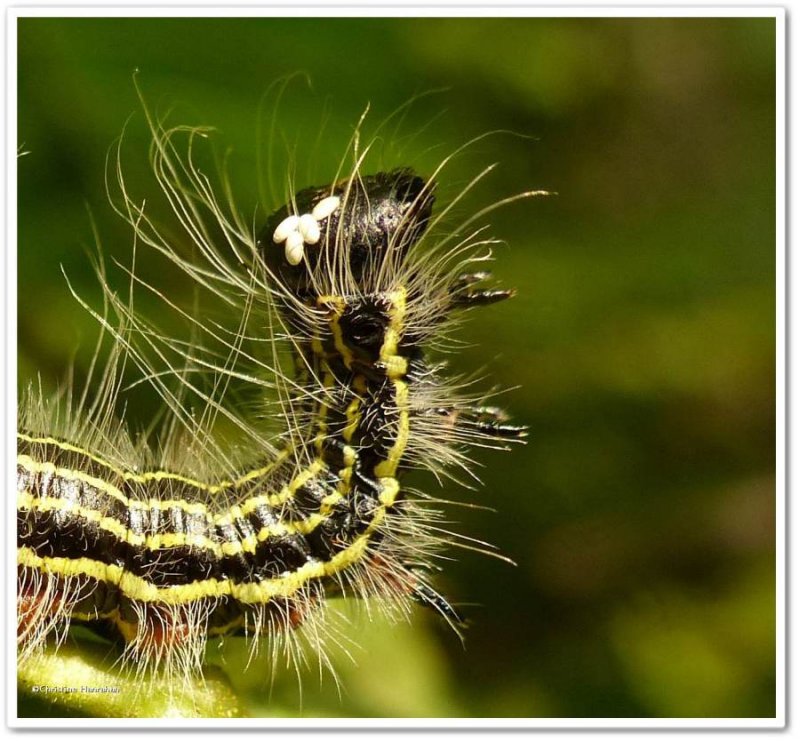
[640, 349]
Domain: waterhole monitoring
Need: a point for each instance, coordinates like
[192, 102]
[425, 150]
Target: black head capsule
[345, 229]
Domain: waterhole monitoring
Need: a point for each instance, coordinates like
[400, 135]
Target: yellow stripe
[349, 454]
[390, 488]
[128, 629]
[138, 588]
[353, 414]
[170, 540]
[227, 628]
[337, 306]
[316, 346]
[339, 344]
[93, 616]
[322, 413]
[388, 467]
[69, 447]
[46, 467]
[144, 477]
[196, 508]
[396, 367]
[131, 630]
[27, 501]
[193, 508]
[273, 500]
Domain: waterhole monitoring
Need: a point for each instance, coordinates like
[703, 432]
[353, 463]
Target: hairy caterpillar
[162, 547]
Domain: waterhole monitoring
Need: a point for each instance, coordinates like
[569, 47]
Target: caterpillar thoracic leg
[348, 278]
[464, 295]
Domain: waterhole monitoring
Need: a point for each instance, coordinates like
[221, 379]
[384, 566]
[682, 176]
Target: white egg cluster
[297, 231]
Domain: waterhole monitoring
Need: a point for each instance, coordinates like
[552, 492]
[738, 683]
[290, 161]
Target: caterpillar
[341, 300]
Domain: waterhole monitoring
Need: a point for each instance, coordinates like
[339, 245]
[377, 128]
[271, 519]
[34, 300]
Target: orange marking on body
[162, 629]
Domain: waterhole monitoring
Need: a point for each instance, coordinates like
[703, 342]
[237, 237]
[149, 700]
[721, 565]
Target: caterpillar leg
[425, 595]
[44, 607]
[165, 641]
[38, 613]
[390, 579]
[463, 295]
[490, 421]
[493, 420]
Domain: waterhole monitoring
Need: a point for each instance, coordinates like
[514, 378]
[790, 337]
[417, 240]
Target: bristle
[204, 535]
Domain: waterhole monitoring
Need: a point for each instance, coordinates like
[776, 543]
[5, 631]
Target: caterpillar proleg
[340, 298]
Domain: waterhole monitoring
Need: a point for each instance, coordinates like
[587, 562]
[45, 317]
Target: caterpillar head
[340, 238]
